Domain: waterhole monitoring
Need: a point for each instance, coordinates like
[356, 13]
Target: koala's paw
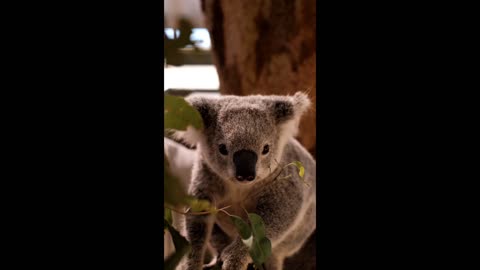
[233, 260]
[233, 266]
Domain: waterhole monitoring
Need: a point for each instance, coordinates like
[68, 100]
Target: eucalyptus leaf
[266, 246]
[299, 165]
[261, 247]
[242, 227]
[178, 114]
[258, 227]
[301, 170]
[197, 205]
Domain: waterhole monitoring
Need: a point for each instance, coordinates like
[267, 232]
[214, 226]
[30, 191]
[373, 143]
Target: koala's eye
[265, 149]
[223, 149]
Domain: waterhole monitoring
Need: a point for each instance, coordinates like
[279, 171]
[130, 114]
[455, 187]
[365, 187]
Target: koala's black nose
[245, 162]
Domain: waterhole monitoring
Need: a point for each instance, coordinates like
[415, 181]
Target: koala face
[242, 144]
[244, 137]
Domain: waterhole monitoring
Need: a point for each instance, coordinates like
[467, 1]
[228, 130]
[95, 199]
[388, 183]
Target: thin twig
[221, 210]
[244, 210]
[199, 213]
[189, 213]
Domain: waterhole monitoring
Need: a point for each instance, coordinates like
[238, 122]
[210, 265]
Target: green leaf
[197, 205]
[242, 227]
[261, 248]
[182, 247]
[299, 165]
[179, 114]
[266, 246]
[301, 170]
[258, 227]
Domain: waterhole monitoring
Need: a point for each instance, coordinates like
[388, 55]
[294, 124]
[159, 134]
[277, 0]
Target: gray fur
[286, 205]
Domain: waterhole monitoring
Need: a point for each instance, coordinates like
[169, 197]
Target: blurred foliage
[172, 45]
[178, 114]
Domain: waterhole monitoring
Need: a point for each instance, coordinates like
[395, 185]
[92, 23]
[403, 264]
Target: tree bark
[266, 47]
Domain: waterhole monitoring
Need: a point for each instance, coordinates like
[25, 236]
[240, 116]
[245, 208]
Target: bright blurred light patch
[200, 35]
[197, 77]
[169, 32]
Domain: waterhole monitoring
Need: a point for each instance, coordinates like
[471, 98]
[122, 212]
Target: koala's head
[244, 137]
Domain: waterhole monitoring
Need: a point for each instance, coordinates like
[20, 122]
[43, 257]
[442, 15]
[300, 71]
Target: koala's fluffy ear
[206, 107]
[290, 107]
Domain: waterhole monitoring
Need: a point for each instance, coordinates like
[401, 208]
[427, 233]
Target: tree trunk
[266, 47]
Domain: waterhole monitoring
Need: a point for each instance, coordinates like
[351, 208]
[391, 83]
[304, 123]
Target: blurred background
[188, 57]
[240, 47]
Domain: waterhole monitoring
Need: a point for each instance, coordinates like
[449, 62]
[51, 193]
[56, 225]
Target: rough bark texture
[268, 47]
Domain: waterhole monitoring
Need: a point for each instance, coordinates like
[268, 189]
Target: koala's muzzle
[245, 162]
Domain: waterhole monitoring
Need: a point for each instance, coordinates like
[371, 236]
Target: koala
[240, 162]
